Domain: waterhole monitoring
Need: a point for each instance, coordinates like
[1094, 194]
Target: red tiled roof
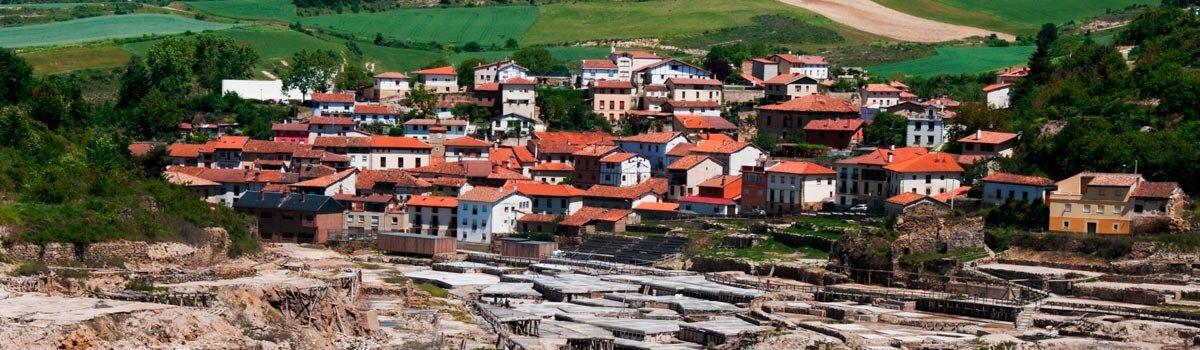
[229, 142]
[268, 162]
[598, 64]
[568, 141]
[1014, 72]
[447, 70]
[652, 185]
[341, 142]
[331, 121]
[375, 109]
[995, 87]
[880, 156]
[538, 218]
[552, 167]
[880, 88]
[449, 181]
[499, 173]
[611, 84]
[721, 147]
[704, 122]
[397, 142]
[1015, 179]
[391, 75]
[138, 149]
[184, 150]
[651, 137]
[801, 168]
[432, 201]
[693, 81]
[960, 192]
[753, 79]
[335, 97]
[657, 206]
[487, 87]
[289, 127]
[1112, 179]
[720, 181]
[898, 85]
[466, 141]
[688, 162]
[188, 180]
[988, 137]
[261, 146]
[813, 103]
[586, 215]
[786, 78]
[706, 200]
[229, 175]
[453, 169]
[834, 124]
[546, 190]
[618, 157]
[683, 149]
[326, 181]
[655, 87]
[594, 151]
[905, 199]
[907, 95]
[518, 81]
[715, 137]
[367, 179]
[805, 59]
[1148, 189]
[486, 194]
[929, 163]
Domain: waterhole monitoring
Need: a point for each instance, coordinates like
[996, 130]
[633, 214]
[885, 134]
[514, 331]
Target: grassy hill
[282, 10]
[958, 60]
[101, 28]
[485, 25]
[1009, 16]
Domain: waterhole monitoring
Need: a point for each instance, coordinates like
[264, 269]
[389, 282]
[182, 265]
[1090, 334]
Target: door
[1091, 227]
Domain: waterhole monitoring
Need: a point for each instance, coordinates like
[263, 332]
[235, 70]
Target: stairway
[1025, 318]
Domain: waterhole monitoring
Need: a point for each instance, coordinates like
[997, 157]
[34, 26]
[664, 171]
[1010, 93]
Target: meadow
[957, 60]
[101, 28]
[1018, 17]
[66, 59]
[248, 9]
[485, 25]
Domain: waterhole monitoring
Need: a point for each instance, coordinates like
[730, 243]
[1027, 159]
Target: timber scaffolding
[190, 299]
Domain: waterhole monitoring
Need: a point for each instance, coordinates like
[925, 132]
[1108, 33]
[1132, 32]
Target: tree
[466, 71]
[510, 43]
[311, 71]
[135, 82]
[57, 102]
[719, 67]
[16, 77]
[887, 129]
[537, 59]
[471, 112]
[1039, 62]
[472, 47]
[218, 58]
[17, 130]
[155, 115]
[353, 77]
[170, 65]
[423, 101]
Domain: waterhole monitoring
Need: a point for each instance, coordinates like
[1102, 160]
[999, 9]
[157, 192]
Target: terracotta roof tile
[1148, 189]
[682, 149]
[185, 150]
[595, 151]
[369, 179]
[653, 185]
[834, 124]
[693, 81]
[261, 146]
[804, 59]
[342, 142]
[1015, 179]
[1112, 179]
[657, 206]
[995, 87]
[547, 190]
[880, 156]
[466, 141]
[447, 70]
[499, 173]
[486, 194]
[720, 147]
[880, 88]
[705, 200]
[651, 137]
[326, 181]
[960, 192]
[432, 201]
[785, 79]
[391, 75]
[928, 163]
[449, 181]
[334, 98]
[518, 81]
[376, 109]
[398, 142]
[715, 137]
[720, 181]
[988, 137]
[688, 162]
[598, 64]
[813, 103]
[552, 167]
[188, 180]
[801, 168]
[703, 122]
[538, 218]
[905, 199]
[230, 142]
[618, 157]
[318, 120]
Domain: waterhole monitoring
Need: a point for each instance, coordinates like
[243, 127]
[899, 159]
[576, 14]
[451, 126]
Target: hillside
[1018, 17]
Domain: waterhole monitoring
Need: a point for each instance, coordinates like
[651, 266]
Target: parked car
[859, 207]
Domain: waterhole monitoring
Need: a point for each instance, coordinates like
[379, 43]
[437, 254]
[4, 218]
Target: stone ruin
[925, 226]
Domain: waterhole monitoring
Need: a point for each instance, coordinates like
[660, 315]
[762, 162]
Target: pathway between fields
[870, 17]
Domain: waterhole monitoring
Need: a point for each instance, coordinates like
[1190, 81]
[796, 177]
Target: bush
[30, 269]
[433, 290]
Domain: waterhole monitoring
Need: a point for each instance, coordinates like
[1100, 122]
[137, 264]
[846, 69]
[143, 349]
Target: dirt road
[870, 17]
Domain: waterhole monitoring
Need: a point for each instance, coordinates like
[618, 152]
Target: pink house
[290, 132]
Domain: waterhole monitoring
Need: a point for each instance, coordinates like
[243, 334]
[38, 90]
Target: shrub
[30, 269]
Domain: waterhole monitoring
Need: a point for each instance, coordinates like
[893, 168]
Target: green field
[100, 28]
[66, 59]
[1008, 16]
[485, 25]
[957, 60]
[567, 22]
[248, 9]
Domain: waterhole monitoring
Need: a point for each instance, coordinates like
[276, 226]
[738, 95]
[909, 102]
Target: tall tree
[155, 115]
[16, 77]
[537, 59]
[218, 58]
[886, 130]
[424, 101]
[441, 62]
[466, 71]
[170, 65]
[311, 71]
[353, 77]
[135, 82]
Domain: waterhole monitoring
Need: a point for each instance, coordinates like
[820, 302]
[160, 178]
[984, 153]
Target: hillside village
[645, 201]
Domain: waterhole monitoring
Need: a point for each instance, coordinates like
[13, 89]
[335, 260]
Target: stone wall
[925, 226]
[119, 253]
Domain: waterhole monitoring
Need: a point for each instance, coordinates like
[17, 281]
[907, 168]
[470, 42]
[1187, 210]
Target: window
[1067, 208]
[1100, 209]
[928, 178]
[1066, 224]
[1102, 192]
[1087, 208]
[383, 162]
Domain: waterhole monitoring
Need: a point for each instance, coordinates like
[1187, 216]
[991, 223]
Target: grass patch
[396, 278]
[102, 28]
[143, 287]
[1010, 16]
[960, 255]
[30, 269]
[485, 25]
[819, 233]
[957, 60]
[66, 59]
[282, 10]
[773, 29]
[826, 222]
[369, 266]
[878, 53]
[769, 249]
[433, 289]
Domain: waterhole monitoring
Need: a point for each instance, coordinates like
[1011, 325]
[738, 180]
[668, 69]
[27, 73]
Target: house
[442, 80]
[513, 157]
[838, 134]
[552, 199]
[790, 86]
[466, 148]
[500, 71]
[262, 90]
[928, 174]
[342, 182]
[879, 96]
[654, 96]
[558, 146]
[269, 155]
[1011, 75]
[290, 132]
[332, 126]
[623, 169]
[897, 204]
[373, 113]
[593, 70]
[813, 66]
[357, 148]
[398, 152]
[653, 146]
[659, 72]
[1003, 187]
[502, 176]
[1114, 203]
[629, 61]
[518, 96]
[700, 124]
[685, 175]
[989, 143]
[390, 86]
[732, 155]
[393, 182]
[763, 69]
[680, 151]
[754, 187]
[309, 157]
[552, 173]
[484, 212]
[611, 99]
[796, 186]
[863, 179]
[432, 215]
[998, 95]
[200, 187]
[291, 218]
[544, 223]
[602, 219]
[785, 119]
[332, 104]
[718, 196]
[226, 152]
[925, 126]
[604, 196]
[424, 129]
[694, 89]
[231, 184]
[372, 213]
[587, 164]
[700, 108]
[515, 125]
[475, 172]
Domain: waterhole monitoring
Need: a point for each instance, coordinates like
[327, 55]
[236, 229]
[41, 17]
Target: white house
[484, 212]
[658, 73]
[653, 146]
[499, 71]
[262, 90]
[925, 129]
[398, 152]
[763, 69]
[422, 129]
[629, 61]
[518, 96]
[790, 86]
[693, 108]
[795, 186]
[432, 215]
[929, 174]
[623, 169]
[1002, 187]
[733, 155]
[333, 104]
[551, 173]
[508, 123]
[592, 70]
[879, 96]
[332, 126]
[552, 199]
[368, 114]
[439, 80]
[357, 148]
[390, 86]
[692, 89]
[341, 182]
[813, 66]
[466, 148]
[998, 95]
[685, 175]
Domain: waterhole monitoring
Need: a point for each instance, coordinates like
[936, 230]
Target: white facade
[397, 158]
[734, 162]
[688, 184]
[557, 205]
[927, 130]
[333, 108]
[794, 190]
[659, 73]
[318, 130]
[518, 99]
[440, 83]
[550, 177]
[458, 154]
[817, 71]
[628, 62]
[924, 183]
[480, 222]
[498, 72]
[588, 75]
[880, 99]
[626, 173]
[507, 122]
[431, 220]
[998, 98]
[996, 193]
[655, 152]
[697, 92]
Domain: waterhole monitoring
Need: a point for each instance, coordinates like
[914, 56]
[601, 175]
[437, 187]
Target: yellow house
[1093, 203]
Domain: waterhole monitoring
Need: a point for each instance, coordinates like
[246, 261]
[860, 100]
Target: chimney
[892, 147]
[889, 157]
[978, 134]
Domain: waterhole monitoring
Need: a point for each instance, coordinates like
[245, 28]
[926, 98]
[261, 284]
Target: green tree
[466, 71]
[16, 77]
[472, 47]
[155, 115]
[438, 63]
[510, 43]
[353, 77]
[423, 101]
[471, 112]
[170, 65]
[16, 129]
[311, 71]
[135, 82]
[104, 153]
[49, 105]
[537, 59]
[218, 58]
[887, 129]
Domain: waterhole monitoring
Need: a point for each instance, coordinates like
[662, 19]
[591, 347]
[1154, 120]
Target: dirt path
[870, 17]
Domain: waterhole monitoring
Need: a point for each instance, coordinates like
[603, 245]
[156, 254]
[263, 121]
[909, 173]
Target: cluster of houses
[323, 175]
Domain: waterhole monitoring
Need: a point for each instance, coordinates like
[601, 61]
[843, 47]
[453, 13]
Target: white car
[859, 207]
